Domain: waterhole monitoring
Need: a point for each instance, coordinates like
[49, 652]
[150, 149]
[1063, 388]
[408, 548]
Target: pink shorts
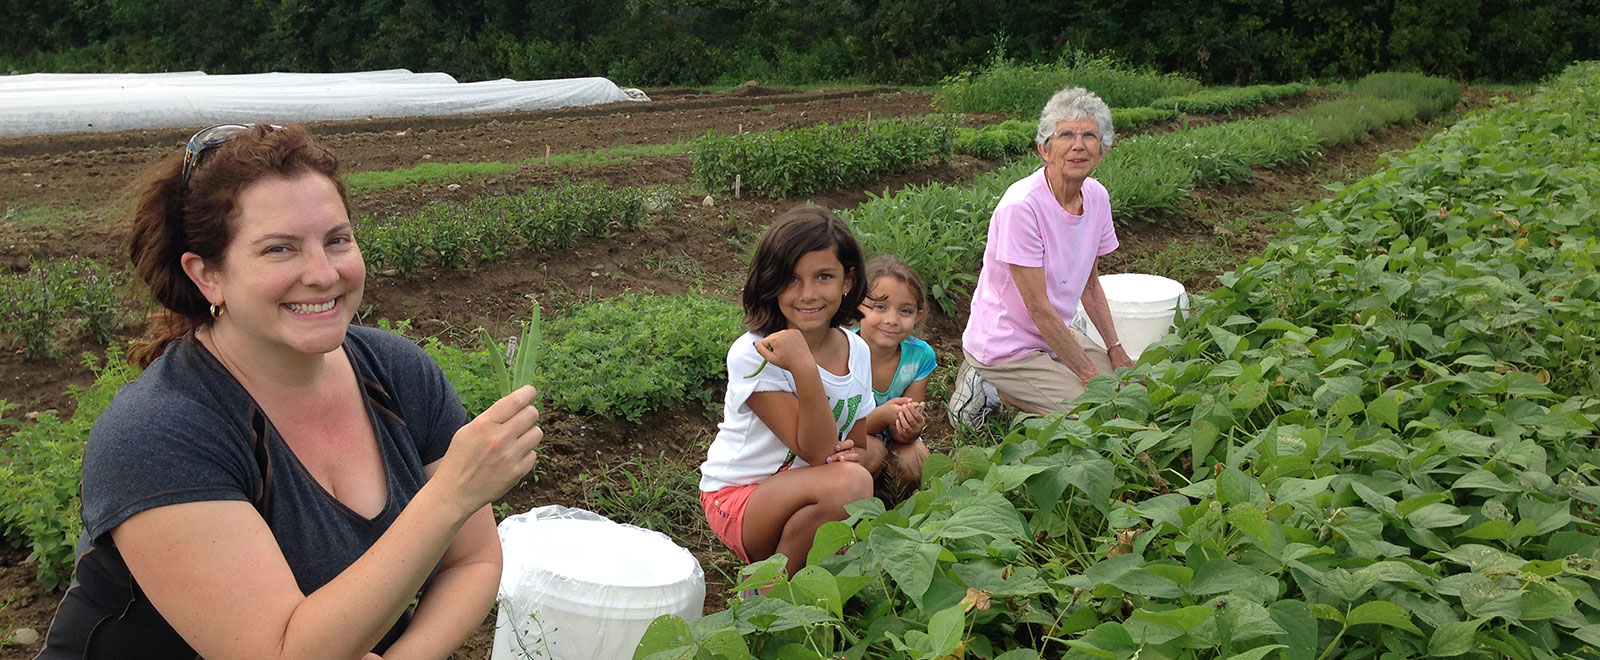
[725, 513]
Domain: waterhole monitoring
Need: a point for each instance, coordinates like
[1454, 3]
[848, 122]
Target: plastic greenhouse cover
[51, 103]
[577, 586]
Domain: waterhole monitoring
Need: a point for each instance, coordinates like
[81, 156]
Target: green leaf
[1454, 638]
[1434, 516]
[1251, 520]
[1383, 613]
[945, 629]
[910, 562]
[1256, 653]
[1545, 601]
[666, 633]
[1202, 439]
[1236, 487]
[832, 537]
[1299, 629]
[1483, 479]
[993, 517]
[818, 587]
[1183, 618]
[1108, 640]
[1386, 409]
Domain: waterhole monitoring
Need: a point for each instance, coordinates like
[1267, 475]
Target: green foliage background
[654, 42]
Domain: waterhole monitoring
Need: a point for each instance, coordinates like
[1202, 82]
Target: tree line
[671, 42]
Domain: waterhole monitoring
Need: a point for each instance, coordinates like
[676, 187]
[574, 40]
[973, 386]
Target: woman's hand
[1119, 357]
[787, 349]
[492, 452]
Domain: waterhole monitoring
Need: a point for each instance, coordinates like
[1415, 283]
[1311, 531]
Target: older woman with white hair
[1042, 258]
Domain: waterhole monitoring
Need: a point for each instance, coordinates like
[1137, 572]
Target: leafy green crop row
[1020, 90]
[1376, 440]
[1015, 136]
[621, 358]
[455, 235]
[1217, 100]
[785, 163]
[41, 463]
[37, 302]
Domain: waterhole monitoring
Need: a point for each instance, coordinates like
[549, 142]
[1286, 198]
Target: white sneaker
[973, 400]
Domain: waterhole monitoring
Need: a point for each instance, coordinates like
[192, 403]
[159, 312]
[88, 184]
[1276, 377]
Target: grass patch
[426, 172]
[654, 493]
[39, 215]
[614, 155]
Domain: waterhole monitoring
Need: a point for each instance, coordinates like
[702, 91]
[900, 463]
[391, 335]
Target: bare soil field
[696, 248]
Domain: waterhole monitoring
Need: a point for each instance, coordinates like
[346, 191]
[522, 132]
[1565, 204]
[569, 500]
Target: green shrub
[455, 235]
[1021, 90]
[1346, 120]
[1230, 152]
[1217, 100]
[997, 141]
[1127, 120]
[1433, 96]
[621, 358]
[41, 465]
[785, 163]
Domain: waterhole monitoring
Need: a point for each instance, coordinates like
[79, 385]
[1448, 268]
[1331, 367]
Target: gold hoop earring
[217, 309]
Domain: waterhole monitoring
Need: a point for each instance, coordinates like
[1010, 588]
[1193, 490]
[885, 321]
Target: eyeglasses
[1089, 137]
[208, 138]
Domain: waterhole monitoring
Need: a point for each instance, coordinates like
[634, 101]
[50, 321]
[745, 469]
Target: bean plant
[1376, 440]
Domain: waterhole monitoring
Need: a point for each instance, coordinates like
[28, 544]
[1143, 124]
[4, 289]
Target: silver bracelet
[1114, 345]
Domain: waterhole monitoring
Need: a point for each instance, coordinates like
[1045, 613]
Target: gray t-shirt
[186, 431]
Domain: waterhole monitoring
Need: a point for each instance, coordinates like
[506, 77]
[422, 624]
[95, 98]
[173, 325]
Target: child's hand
[787, 349]
[869, 454]
[885, 414]
[910, 423]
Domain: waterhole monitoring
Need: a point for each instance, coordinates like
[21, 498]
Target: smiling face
[292, 276]
[891, 312]
[1074, 149]
[813, 295]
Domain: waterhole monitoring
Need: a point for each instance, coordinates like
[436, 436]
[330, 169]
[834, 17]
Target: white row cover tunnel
[52, 103]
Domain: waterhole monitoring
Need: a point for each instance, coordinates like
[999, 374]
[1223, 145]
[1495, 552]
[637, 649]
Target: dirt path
[697, 248]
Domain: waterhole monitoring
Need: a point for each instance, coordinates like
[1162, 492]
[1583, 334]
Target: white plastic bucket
[578, 586]
[1143, 308]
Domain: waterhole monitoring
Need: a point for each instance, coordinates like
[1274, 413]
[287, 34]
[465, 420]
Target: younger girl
[796, 443]
[896, 303]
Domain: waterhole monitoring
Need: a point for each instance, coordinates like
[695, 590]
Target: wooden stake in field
[869, 116]
[738, 181]
[547, 154]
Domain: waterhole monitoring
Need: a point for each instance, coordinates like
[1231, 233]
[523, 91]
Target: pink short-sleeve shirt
[1029, 228]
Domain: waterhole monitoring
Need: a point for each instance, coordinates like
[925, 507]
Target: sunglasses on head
[207, 138]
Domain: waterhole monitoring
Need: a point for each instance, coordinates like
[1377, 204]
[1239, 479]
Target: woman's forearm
[456, 601]
[373, 592]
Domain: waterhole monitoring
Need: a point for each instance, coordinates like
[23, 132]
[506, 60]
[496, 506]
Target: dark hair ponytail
[169, 221]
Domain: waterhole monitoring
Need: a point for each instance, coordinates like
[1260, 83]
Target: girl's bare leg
[784, 512]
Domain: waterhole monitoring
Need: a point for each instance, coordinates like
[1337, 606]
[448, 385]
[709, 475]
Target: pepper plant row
[1376, 440]
[456, 235]
[65, 297]
[801, 161]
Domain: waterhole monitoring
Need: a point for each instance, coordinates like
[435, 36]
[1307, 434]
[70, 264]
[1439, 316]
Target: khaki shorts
[1039, 381]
